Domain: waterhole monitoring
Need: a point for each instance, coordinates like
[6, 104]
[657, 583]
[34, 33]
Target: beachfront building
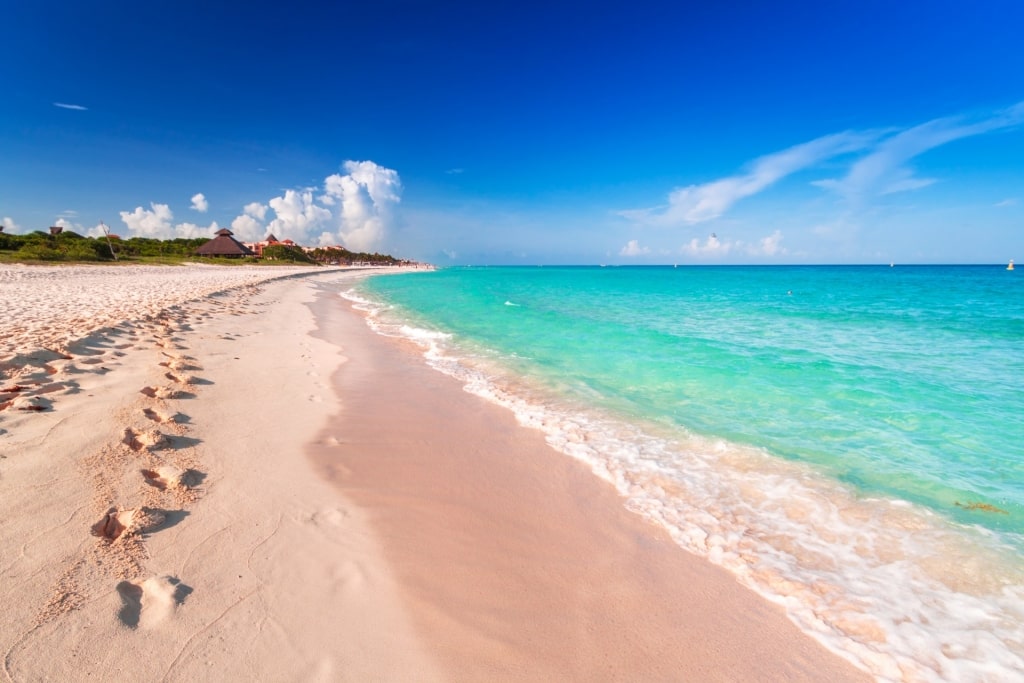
[271, 240]
[224, 245]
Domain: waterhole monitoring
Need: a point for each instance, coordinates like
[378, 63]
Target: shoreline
[188, 502]
[516, 561]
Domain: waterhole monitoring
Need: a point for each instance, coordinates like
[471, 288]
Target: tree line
[70, 246]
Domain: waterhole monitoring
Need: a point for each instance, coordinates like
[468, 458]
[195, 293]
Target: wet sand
[515, 561]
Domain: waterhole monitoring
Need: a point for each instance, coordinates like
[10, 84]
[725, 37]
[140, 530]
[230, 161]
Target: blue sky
[468, 132]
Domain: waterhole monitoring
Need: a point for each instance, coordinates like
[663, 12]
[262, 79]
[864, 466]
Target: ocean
[848, 441]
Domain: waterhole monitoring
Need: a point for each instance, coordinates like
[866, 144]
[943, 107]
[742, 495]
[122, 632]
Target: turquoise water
[849, 441]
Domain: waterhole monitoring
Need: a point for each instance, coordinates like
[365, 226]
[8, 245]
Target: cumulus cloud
[191, 230]
[633, 248]
[366, 196]
[75, 107]
[770, 245]
[363, 201]
[249, 225]
[354, 209]
[9, 225]
[256, 210]
[156, 223]
[713, 248]
[297, 217]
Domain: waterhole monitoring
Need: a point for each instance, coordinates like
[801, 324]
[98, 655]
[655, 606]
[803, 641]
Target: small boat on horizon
[1010, 267]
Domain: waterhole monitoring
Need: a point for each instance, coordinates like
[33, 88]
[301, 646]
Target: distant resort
[59, 244]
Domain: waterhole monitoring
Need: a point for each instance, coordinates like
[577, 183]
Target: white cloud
[248, 229]
[297, 217]
[1010, 201]
[364, 197]
[884, 170]
[191, 230]
[698, 203]
[94, 231]
[455, 171]
[633, 248]
[367, 195]
[256, 210]
[770, 245]
[76, 107]
[10, 226]
[249, 226]
[712, 247]
[97, 230]
[154, 223]
[880, 167]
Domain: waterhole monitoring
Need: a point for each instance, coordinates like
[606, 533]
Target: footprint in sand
[159, 417]
[331, 517]
[148, 603]
[31, 404]
[179, 365]
[122, 523]
[161, 392]
[180, 377]
[171, 477]
[150, 440]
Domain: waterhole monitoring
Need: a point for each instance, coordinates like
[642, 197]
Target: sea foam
[881, 581]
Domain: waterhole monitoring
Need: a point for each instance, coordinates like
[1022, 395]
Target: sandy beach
[223, 474]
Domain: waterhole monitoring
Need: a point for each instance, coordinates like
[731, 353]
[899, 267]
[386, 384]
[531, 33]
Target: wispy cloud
[455, 171]
[75, 107]
[885, 170]
[878, 165]
[1010, 201]
[699, 203]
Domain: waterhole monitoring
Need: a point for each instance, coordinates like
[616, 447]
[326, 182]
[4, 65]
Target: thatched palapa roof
[224, 245]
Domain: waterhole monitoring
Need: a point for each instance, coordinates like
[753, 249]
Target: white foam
[892, 587]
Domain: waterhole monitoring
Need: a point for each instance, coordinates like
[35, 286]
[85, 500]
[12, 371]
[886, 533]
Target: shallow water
[846, 440]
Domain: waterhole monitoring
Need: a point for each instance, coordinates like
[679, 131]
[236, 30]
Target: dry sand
[196, 483]
[159, 519]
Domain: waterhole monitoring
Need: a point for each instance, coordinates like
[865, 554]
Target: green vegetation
[69, 246]
[339, 256]
[283, 252]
